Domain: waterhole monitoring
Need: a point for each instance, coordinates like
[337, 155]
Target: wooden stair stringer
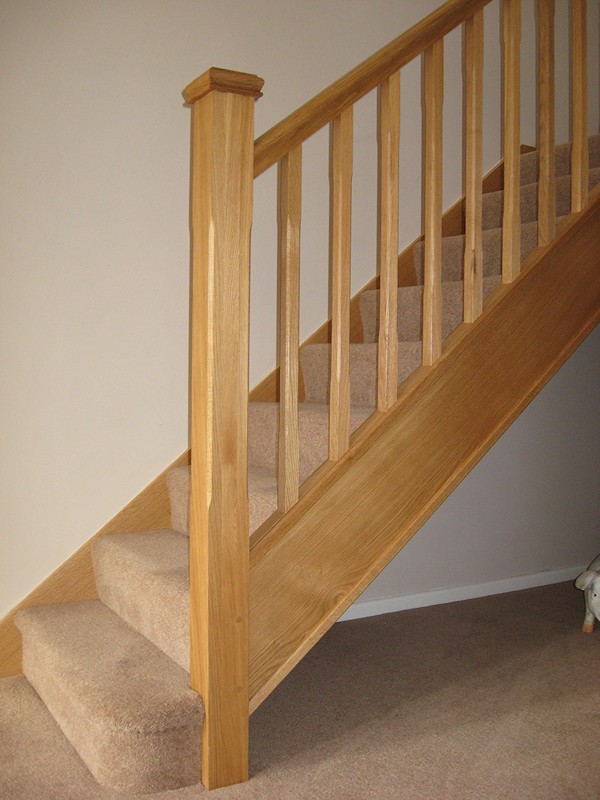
[318, 558]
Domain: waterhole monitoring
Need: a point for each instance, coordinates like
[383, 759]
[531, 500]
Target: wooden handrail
[328, 104]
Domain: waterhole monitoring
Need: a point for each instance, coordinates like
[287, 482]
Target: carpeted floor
[488, 699]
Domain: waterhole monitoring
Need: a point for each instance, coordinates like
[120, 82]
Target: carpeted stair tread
[493, 202]
[124, 705]
[315, 360]
[143, 577]
[453, 252]
[262, 496]
[562, 162]
[410, 309]
[313, 430]
[37, 761]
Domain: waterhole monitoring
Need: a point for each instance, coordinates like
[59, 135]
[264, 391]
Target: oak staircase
[295, 501]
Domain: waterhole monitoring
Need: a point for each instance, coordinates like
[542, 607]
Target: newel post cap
[216, 79]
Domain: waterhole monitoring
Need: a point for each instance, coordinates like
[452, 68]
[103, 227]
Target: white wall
[94, 246]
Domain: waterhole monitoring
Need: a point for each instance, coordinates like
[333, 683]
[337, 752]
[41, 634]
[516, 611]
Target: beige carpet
[487, 699]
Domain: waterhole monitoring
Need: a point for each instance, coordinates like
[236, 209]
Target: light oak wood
[452, 225]
[216, 79]
[221, 223]
[337, 538]
[340, 237]
[547, 174]
[579, 109]
[290, 211]
[388, 200]
[342, 94]
[511, 221]
[473, 269]
[74, 580]
[432, 276]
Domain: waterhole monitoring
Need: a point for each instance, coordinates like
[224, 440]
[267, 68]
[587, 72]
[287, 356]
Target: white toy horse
[589, 583]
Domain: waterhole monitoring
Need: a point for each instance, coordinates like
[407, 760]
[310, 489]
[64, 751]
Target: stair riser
[410, 310]
[262, 498]
[313, 431]
[562, 163]
[363, 359]
[453, 253]
[132, 591]
[315, 361]
[494, 201]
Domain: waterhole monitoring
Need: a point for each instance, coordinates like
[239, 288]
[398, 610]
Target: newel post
[221, 218]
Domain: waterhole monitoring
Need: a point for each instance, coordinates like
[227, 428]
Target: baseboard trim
[385, 605]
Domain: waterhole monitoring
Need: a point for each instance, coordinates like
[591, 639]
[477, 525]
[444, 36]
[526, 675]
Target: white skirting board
[384, 605]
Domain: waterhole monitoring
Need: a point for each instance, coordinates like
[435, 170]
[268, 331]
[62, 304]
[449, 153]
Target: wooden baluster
[290, 210]
[473, 265]
[389, 141]
[547, 174]
[511, 223]
[579, 109]
[340, 232]
[432, 289]
[222, 169]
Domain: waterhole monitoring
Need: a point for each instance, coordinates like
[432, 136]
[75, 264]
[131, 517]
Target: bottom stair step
[124, 705]
[37, 762]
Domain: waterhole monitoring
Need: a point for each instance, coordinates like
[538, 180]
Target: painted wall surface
[94, 245]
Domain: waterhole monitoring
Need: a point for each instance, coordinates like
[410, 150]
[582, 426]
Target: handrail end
[217, 79]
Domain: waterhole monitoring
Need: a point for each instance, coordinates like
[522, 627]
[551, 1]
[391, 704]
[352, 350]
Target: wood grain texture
[452, 225]
[511, 220]
[290, 212]
[216, 79]
[433, 90]
[342, 94]
[221, 222]
[74, 580]
[579, 105]
[388, 202]
[473, 269]
[546, 138]
[337, 539]
[340, 238]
